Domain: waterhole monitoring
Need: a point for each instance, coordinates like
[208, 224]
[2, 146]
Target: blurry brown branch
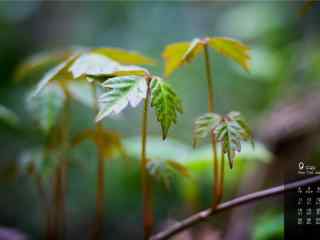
[205, 214]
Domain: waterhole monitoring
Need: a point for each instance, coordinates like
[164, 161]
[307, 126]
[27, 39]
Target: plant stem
[61, 172]
[46, 207]
[205, 214]
[98, 233]
[146, 185]
[217, 188]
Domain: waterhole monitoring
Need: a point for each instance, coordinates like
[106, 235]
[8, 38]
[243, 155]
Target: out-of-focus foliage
[38, 162]
[45, 107]
[269, 226]
[108, 142]
[7, 116]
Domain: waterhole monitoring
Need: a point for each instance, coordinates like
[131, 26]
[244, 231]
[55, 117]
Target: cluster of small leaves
[229, 130]
[180, 53]
[130, 90]
[165, 170]
[165, 103]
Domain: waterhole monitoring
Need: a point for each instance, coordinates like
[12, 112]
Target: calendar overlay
[302, 207]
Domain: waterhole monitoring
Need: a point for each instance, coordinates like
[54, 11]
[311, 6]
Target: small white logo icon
[301, 165]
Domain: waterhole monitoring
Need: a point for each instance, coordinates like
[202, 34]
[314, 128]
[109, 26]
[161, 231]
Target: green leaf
[165, 103]
[120, 92]
[204, 125]
[7, 116]
[232, 49]
[123, 56]
[46, 107]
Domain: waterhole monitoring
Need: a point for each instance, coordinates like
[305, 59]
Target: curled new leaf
[204, 125]
[121, 91]
[124, 57]
[166, 104]
[231, 48]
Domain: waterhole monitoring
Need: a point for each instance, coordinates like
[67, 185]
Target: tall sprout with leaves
[96, 65]
[181, 53]
[130, 87]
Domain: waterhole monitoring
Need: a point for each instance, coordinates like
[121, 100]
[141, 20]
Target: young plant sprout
[88, 65]
[178, 54]
[125, 90]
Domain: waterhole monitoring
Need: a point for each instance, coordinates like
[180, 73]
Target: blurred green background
[285, 63]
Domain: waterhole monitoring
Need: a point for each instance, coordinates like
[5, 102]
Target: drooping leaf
[165, 103]
[123, 56]
[165, 170]
[59, 73]
[232, 49]
[178, 54]
[38, 61]
[100, 67]
[121, 91]
[92, 64]
[7, 116]
[204, 125]
[173, 56]
[108, 142]
[46, 106]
